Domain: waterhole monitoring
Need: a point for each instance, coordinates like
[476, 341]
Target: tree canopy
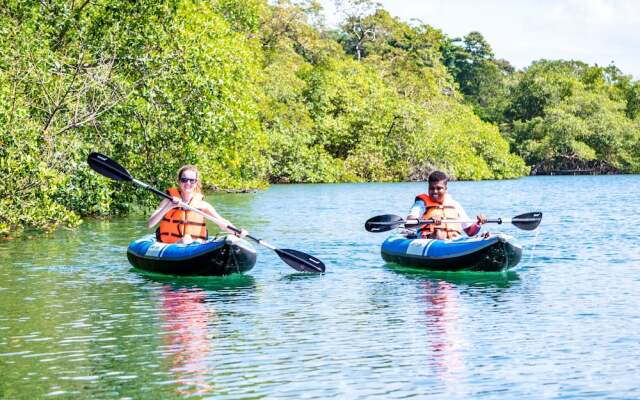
[256, 92]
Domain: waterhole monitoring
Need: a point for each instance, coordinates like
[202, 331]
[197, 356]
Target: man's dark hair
[437, 176]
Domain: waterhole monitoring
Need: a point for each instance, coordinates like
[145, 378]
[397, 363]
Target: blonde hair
[198, 187]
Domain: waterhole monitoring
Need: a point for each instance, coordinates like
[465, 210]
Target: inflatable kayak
[496, 253]
[217, 256]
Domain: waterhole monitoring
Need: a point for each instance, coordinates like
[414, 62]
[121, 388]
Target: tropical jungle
[256, 92]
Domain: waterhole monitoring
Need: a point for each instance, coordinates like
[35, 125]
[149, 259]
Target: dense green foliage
[254, 92]
[153, 86]
[560, 116]
[567, 115]
[384, 109]
[482, 79]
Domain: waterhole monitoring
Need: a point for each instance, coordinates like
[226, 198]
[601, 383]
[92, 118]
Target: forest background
[256, 92]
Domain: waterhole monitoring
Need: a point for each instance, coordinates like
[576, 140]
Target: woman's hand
[242, 233]
[171, 203]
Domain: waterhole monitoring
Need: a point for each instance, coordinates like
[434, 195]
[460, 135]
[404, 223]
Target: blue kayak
[498, 252]
[217, 256]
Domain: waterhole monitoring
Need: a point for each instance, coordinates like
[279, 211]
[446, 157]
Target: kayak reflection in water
[187, 322]
[179, 225]
[438, 205]
[446, 339]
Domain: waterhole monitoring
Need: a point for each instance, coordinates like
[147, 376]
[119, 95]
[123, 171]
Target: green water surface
[77, 322]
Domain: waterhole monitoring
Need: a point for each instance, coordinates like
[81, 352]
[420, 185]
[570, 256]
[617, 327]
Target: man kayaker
[179, 225]
[439, 206]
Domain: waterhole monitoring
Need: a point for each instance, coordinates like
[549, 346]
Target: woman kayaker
[438, 205]
[179, 225]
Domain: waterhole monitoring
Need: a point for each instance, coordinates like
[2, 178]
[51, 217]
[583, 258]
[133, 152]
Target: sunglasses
[185, 180]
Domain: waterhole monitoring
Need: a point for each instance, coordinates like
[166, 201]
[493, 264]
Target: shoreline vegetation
[256, 92]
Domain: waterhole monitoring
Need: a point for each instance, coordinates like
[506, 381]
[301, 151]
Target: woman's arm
[165, 205]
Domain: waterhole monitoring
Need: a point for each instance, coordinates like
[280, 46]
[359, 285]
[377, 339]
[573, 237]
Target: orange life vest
[446, 210]
[179, 222]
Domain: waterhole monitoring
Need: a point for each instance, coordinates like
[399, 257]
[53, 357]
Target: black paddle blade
[528, 221]
[383, 223]
[107, 167]
[300, 261]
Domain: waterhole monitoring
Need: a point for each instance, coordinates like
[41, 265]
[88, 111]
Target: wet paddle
[295, 259]
[383, 223]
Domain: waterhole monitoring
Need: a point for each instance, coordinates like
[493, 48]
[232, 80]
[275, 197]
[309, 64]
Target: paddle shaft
[207, 216]
[470, 221]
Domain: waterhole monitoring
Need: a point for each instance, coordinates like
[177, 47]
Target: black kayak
[497, 252]
[215, 257]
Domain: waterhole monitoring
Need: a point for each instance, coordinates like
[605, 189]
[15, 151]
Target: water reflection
[463, 278]
[446, 310]
[298, 276]
[446, 338]
[187, 323]
[190, 322]
[233, 284]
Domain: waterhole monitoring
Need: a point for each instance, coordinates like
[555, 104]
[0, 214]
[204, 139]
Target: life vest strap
[169, 234]
[179, 236]
[194, 223]
[183, 222]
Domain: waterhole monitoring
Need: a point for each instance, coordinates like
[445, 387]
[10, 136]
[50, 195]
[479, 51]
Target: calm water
[77, 322]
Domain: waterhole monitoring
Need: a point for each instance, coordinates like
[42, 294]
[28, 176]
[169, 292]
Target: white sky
[522, 31]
